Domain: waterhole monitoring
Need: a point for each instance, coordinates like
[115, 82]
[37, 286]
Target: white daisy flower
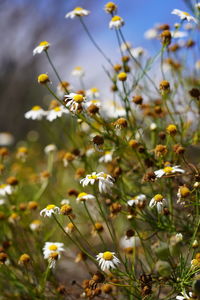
[78, 72]
[51, 251]
[89, 179]
[151, 33]
[77, 12]
[62, 87]
[184, 15]
[74, 101]
[184, 296]
[49, 210]
[6, 139]
[197, 65]
[137, 52]
[55, 113]
[178, 34]
[139, 199]
[168, 171]
[2, 201]
[43, 46]
[116, 22]
[35, 225]
[113, 110]
[93, 101]
[50, 148]
[93, 93]
[197, 5]
[105, 182]
[131, 242]
[107, 157]
[107, 260]
[159, 201]
[89, 152]
[65, 201]
[84, 197]
[125, 46]
[36, 113]
[5, 189]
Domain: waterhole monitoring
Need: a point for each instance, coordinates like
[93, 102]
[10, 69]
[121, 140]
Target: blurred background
[25, 23]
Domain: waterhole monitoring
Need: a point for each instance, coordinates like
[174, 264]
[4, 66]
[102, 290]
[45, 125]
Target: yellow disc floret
[158, 198]
[122, 76]
[168, 170]
[53, 247]
[50, 206]
[78, 98]
[43, 78]
[107, 255]
[116, 18]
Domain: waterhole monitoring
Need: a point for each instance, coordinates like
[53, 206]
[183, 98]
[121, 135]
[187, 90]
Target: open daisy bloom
[55, 113]
[74, 102]
[185, 296]
[43, 46]
[77, 12]
[107, 260]
[184, 15]
[137, 200]
[116, 22]
[105, 182]
[5, 189]
[78, 72]
[36, 113]
[168, 170]
[49, 210]
[159, 201]
[84, 197]
[51, 251]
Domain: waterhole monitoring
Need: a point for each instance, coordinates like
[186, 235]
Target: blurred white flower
[107, 157]
[6, 139]
[49, 210]
[184, 15]
[55, 113]
[5, 189]
[78, 72]
[139, 199]
[116, 22]
[84, 197]
[77, 12]
[93, 93]
[43, 46]
[36, 113]
[50, 148]
[151, 34]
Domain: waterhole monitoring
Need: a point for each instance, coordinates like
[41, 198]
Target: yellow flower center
[78, 68]
[44, 43]
[78, 9]
[24, 149]
[186, 13]
[57, 108]
[82, 195]
[158, 198]
[2, 186]
[43, 78]
[37, 107]
[107, 152]
[94, 101]
[94, 90]
[78, 98]
[107, 255]
[53, 247]
[36, 222]
[92, 177]
[50, 206]
[116, 18]
[168, 170]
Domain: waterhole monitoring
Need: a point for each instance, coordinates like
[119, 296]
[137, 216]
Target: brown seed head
[166, 37]
[137, 99]
[66, 210]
